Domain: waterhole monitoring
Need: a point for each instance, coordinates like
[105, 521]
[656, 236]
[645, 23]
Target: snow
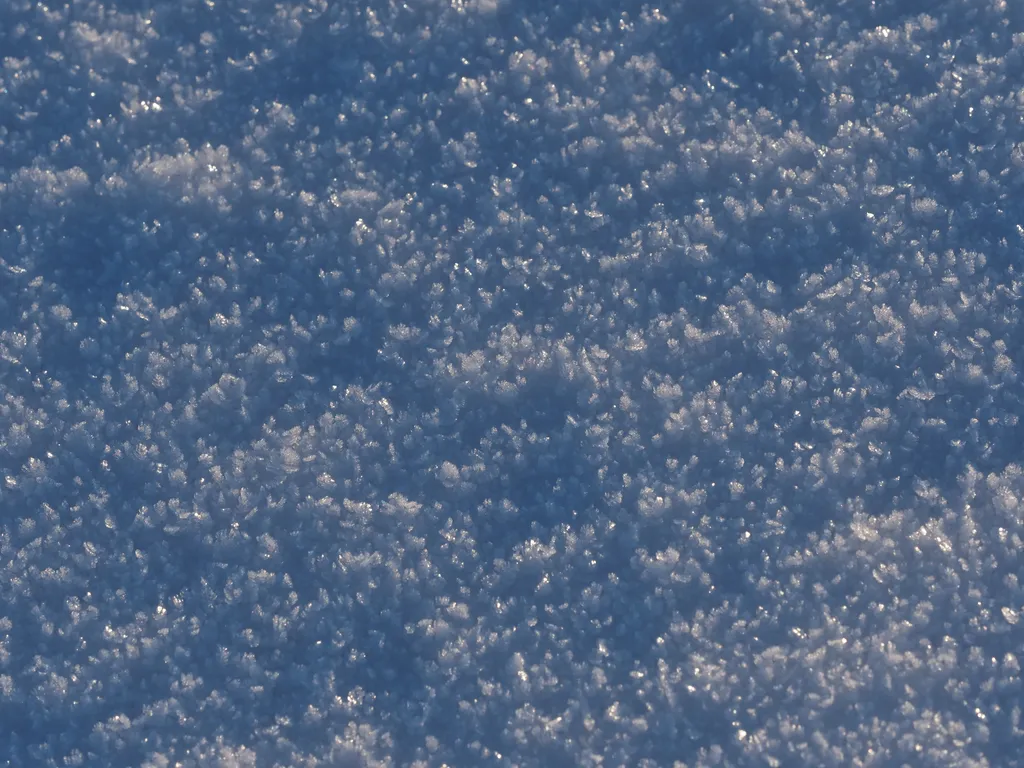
[514, 384]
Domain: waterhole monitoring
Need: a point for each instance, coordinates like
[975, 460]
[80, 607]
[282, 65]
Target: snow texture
[511, 383]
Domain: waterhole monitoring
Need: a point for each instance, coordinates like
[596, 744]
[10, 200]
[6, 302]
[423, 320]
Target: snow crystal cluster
[511, 383]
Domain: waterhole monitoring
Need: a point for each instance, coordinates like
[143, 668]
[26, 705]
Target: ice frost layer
[511, 383]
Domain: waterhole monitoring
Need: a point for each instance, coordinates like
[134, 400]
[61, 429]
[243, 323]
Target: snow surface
[511, 383]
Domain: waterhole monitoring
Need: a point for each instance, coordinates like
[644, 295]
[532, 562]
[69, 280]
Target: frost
[449, 474]
[438, 384]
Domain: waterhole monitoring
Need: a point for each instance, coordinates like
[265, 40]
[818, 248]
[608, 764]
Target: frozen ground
[511, 383]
